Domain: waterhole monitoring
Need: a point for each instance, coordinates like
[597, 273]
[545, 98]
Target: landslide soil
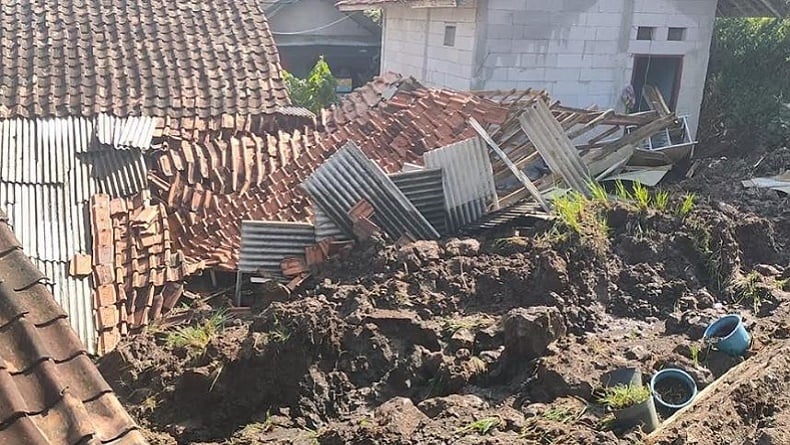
[498, 340]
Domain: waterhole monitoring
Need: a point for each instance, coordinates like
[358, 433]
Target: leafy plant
[482, 426]
[315, 92]
[374, 14]
[623, 396]
[661, 201]
[196, 338]
[641, 196]
[687, 205]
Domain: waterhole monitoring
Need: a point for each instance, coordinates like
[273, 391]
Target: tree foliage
[315, 92]
[747, 94]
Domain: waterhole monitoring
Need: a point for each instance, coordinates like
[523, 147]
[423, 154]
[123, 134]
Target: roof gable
[175, 58]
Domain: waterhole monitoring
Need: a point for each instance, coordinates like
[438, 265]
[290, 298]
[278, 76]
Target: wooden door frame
[673, 101]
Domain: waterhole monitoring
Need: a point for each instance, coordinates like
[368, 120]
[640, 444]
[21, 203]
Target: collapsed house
[122, 189]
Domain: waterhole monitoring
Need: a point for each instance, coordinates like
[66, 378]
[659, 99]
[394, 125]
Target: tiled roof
[176, 58]
[213, 183]
[50, 391]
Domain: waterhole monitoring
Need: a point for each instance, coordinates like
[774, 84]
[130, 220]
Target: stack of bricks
[136, 271]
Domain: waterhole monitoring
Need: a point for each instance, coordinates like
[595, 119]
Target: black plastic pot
[643, 415]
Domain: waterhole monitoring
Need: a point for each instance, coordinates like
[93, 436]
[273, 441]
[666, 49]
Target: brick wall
[414, 44]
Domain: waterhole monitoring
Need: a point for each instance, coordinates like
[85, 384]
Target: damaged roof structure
[87, 87]
[154, 183]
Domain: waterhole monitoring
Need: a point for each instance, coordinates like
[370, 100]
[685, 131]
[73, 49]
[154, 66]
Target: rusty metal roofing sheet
[468, 180]
[347, 177]
[52, 393]
[264, 244]
[424, 188]
[325, 227]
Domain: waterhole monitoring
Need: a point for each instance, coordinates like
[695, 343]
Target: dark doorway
[663, 72]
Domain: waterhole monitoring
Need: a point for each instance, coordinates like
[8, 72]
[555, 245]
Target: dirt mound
[499, 340]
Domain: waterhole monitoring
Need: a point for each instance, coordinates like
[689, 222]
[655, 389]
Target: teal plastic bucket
[682, 380]
[728, 335]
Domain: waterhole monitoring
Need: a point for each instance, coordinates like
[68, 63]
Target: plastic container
[728, 335]
[682, 381]
[622, 376]
[643, 414]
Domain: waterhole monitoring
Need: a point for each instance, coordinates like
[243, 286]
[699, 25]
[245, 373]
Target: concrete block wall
[582, 51]
[413, 44]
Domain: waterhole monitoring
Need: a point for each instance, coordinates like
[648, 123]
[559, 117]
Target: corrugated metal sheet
[468, 180]
[49, 169]
[554, 146]
[264, 244]
[118, 173]
[125, 133]
[424, 188]
[347, 177]
[516, 213]
[325, 227]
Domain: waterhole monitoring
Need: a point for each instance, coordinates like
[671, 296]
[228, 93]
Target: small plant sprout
[622, 396]
[694, 350]
[661, 201]
[621, 191]
[747, 288]
[687, 205]
[598, 192]
[482, 426]
[641, 196]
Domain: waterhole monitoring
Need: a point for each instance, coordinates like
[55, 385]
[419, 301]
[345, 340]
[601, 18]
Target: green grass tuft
[598, 192]
[196, 338]
[622, 396]
[687, 205]
[661, 201]
[641, 196]
[482, 426]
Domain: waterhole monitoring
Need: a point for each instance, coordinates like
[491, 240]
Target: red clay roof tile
[133, 58]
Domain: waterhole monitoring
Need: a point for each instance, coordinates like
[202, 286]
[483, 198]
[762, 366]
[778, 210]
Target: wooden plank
[518, 173]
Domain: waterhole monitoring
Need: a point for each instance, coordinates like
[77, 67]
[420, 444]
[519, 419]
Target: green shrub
[748, 86]
[315, 92]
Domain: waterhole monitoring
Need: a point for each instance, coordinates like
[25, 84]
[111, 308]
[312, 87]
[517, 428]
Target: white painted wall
[414, 44]
[581, 51]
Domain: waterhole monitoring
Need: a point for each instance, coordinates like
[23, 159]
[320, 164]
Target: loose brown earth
[500, 340]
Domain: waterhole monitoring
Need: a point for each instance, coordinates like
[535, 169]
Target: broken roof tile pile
[50, 391]
[213, 183]
[136, 270]
[184, 58]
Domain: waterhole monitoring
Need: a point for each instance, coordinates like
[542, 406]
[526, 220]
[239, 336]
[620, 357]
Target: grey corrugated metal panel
[468, 180]
[554, 146]
[75, 296]
[41, 151]
[325, 227]
[118, 173]
[347, 177]
[264, 244]
[126, 132]
[519, 211]
[425, 189]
